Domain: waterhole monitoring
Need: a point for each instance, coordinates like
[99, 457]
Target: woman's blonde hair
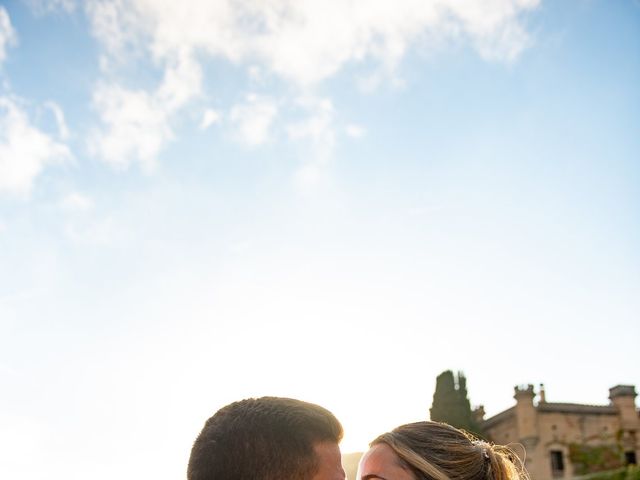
[437, 451]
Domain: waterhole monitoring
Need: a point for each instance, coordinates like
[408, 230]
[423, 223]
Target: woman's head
[437, 451]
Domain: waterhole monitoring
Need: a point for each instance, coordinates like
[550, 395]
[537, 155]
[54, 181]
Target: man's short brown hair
[268, 438]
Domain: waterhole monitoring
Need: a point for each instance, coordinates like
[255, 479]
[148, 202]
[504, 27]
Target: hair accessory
[482, 445]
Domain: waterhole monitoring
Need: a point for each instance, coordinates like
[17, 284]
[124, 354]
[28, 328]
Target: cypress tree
[451, 403]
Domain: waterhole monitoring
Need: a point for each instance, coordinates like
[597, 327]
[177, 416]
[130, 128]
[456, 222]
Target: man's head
[268, 438]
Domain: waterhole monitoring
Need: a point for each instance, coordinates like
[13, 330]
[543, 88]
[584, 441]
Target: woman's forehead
[380, 462]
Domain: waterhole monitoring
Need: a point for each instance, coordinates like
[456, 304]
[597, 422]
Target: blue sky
[331, 200]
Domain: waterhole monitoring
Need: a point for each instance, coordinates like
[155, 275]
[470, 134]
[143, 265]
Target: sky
[204, 201]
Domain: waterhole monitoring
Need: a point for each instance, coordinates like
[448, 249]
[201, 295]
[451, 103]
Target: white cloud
[317, 129]
[302, 43]
[76, 202]
[113, 23]
[355, 131]
[58, 114]
[7, 34]
[209, 117]
[182, 81]
[24, 149]
[137, 123]
[496, 36]
[306, 42]
[135, 127]
[253, 119]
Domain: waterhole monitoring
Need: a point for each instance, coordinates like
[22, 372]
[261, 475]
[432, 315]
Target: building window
[630, 458]
[557, 463]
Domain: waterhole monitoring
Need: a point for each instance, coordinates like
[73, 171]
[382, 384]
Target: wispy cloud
[8, 35]
[42, 7]
[355, 131]
[318, 130]
[209, 117]
[58, 114]
[76, 202]
[24, 149]
[253, 119]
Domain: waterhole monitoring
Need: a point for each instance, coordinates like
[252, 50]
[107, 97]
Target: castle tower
[623, 398]
[478, 414]
[526, 415]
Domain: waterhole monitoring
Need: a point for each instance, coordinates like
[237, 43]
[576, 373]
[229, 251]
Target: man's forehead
[329, 461]
[326, 448]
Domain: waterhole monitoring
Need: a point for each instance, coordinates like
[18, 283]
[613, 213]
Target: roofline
[504, 415]
[554, 407]
[548, 407]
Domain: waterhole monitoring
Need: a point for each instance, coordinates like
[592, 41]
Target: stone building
[565, 440]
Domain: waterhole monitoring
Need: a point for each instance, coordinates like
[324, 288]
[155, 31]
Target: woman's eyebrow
[372, 475]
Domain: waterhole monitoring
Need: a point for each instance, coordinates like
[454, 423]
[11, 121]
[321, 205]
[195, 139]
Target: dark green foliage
[631, 472]
[451, 403]
[589, 459]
